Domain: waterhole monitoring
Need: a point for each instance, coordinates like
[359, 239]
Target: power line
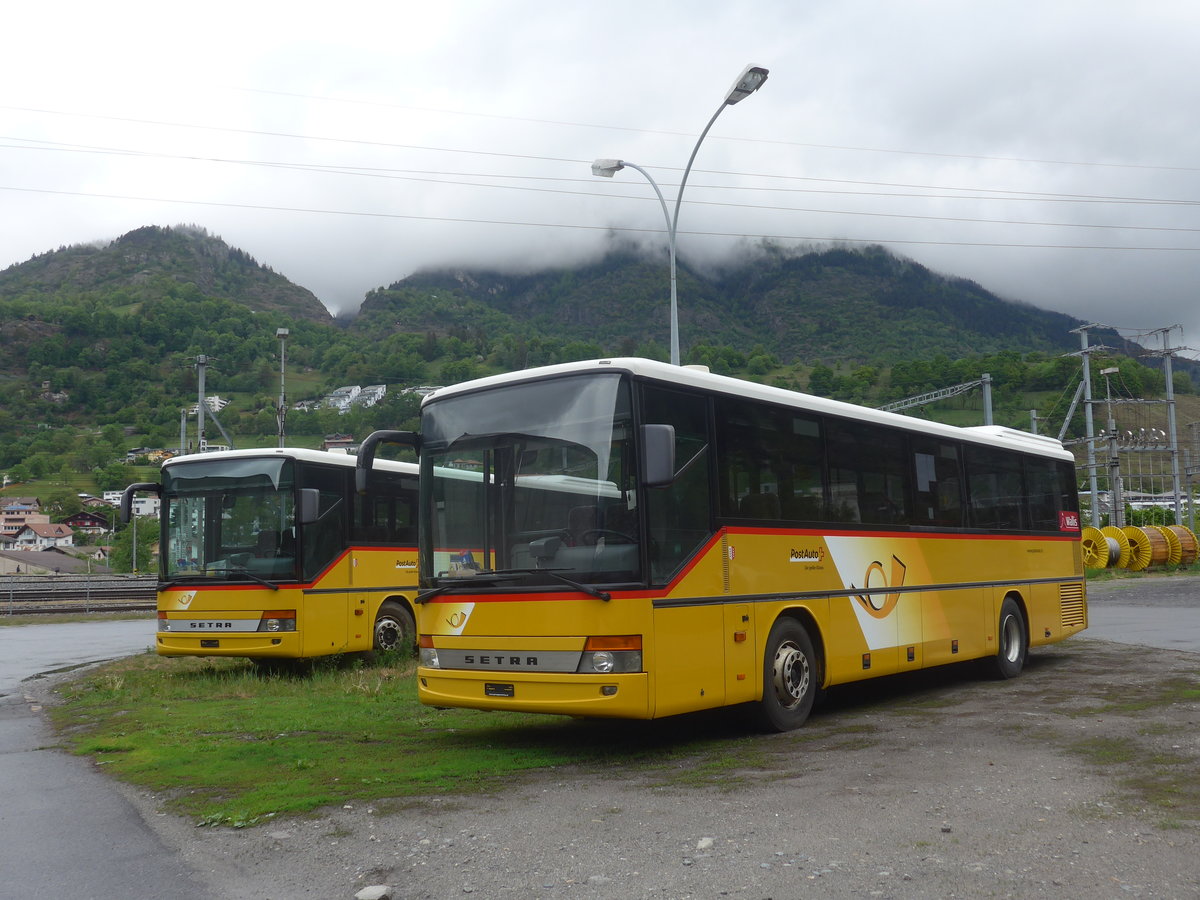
[381, 171]
[418, 176]
[466, 220]
[536, 158]
[839, 147]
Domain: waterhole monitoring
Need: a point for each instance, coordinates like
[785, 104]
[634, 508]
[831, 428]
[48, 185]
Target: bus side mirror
[127, 497]
[310, 506]
[366, 452]
[658, 455]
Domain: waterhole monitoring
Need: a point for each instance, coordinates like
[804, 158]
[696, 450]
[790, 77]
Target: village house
[87, 522]
[342, 398]
[40, 537]
[17, 512]
[142, 506]
[339, 443]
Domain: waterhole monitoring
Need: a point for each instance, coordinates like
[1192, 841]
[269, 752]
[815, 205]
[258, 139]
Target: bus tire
[1011, 642]
[395, 629]
[790, 677]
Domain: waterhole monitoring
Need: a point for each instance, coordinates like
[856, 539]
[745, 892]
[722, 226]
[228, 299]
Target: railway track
[51, 594]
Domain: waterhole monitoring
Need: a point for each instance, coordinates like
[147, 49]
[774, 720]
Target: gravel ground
[1075, 780]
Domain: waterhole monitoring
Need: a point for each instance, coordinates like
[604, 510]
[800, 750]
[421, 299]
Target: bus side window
[769, 462]
[937, 483]
[868, 473]
[995, 486]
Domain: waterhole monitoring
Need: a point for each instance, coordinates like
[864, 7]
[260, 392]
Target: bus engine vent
[1070, 600]
[725, 560]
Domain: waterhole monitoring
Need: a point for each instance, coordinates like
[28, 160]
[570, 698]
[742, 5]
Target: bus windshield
[229, 520]
[536, 481]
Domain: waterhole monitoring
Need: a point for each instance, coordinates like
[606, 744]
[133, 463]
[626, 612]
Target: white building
[343, 398]
[41, 537]
[371, 394]
[142, 506]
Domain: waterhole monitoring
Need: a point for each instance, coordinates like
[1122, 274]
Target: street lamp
[751, 79]
[282, 334]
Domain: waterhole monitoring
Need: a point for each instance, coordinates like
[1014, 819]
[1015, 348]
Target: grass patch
[226, 744]
[1128, 699]
[65, 618]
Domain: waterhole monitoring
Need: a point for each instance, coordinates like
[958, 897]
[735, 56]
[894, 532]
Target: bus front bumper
[252, 643]
[570, 694]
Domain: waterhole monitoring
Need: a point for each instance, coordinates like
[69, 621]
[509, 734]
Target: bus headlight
[428, 653]
[611, 655]
[277, 620]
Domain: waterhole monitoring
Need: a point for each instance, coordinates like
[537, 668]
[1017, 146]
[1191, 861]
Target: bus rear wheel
[790, 677]
[1011, 640]
[395, 629]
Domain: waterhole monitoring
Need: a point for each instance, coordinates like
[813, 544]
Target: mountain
[836, 307]
[149, 262]
[102, 344]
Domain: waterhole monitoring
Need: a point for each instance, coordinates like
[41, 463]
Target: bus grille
[1071, 608]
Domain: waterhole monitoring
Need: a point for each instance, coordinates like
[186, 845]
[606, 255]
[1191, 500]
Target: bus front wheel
[790, 677]
[1011, 642]
[395, 629]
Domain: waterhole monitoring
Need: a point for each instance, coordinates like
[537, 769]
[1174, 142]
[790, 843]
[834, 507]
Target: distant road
[1154, 611]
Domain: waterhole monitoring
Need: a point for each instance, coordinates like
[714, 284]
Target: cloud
[1042, 149]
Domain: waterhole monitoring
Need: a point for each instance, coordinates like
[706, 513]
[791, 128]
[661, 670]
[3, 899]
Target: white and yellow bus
[271, 554]
[631, 539]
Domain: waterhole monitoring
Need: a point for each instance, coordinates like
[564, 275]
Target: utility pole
[1167, 353]
[1115, 492]
[201, 363]
[1089, 430]
[282, 334]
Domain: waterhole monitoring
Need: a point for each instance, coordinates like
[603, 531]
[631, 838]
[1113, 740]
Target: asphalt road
[67, 830]
[1162, 612]
[71, 832]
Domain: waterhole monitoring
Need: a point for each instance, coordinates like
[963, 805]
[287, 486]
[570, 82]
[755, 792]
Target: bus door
[690, 636]
[326, 565]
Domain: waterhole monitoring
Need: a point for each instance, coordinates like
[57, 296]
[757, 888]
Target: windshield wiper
[494, 575]
[242, 570]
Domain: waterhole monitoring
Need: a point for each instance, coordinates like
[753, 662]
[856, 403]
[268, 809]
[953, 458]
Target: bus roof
[699, 377]
[298, 453]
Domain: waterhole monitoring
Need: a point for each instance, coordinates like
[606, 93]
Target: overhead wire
[398, 174]
[607, 227]
[440, 178]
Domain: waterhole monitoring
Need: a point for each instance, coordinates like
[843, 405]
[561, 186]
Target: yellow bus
[631, 539]
[271, 554]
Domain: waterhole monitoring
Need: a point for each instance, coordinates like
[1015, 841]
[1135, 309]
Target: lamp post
[751, 79]
[282, 334]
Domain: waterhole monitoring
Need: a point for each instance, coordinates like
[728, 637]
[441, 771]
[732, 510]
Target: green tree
[121, 557]
[821, 381]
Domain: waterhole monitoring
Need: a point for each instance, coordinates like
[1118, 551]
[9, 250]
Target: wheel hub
[790, 675]
[387, 634]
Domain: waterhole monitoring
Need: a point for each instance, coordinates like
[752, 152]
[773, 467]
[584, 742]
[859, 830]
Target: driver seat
[580, 521]
[268, 544]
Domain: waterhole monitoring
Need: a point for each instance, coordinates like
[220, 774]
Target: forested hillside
[100, 343]
[838, 307]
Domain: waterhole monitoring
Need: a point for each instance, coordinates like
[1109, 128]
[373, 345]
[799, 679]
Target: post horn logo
[875, 602]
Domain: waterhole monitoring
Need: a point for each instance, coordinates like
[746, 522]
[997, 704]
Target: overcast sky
[1048, 150]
